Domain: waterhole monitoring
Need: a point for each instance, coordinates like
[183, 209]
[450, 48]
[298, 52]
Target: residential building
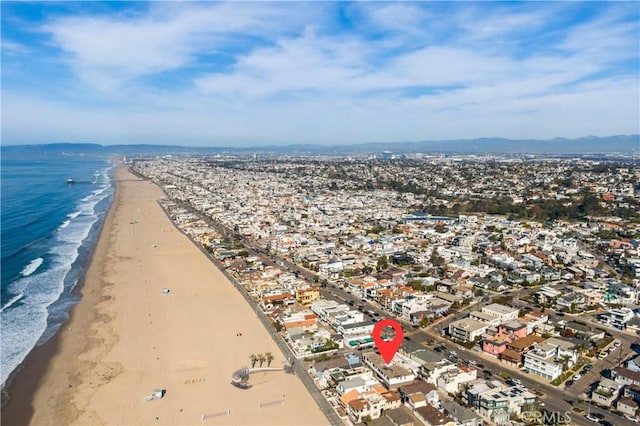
[634, 364]
[504, 313]
[451, 380]
[352, 384]
[496, 401]
[625, 376]
[542, 361]
[627, 406]
[463, 416]
[565, 350]
[495, 345]
[427, 390]
[392, 376]
[467, 330]
[606, 392]
[432, 417]
[402, 417]
[356, 329]
[617, 317]
[305, 296]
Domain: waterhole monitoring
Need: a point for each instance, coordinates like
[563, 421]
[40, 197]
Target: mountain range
[620, 144]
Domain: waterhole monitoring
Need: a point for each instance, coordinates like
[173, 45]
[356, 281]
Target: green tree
[564, 359]
[424, 321]
[436, 259]
[254, 358]
[269, 357]
[383, 263]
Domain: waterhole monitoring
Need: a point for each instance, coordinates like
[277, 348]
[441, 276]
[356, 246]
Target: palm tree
[269, 358]
[564, 359]
[261, 358]
[254, 358]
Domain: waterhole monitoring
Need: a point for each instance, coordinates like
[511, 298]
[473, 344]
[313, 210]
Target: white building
[392, 376]
[353, 383]
[485, 318]
[496, 402]
[564, 349]
[466, 329]
[617, 317]
[504, 313]
[356, 329]
[450, 380]
[541, 360]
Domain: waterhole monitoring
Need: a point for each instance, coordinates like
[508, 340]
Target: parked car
[588, 367]
[592, 417]
[632, 419]
[568, 383]
[577, 377]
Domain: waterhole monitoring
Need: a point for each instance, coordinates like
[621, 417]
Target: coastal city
[344, 213]
[516, 279]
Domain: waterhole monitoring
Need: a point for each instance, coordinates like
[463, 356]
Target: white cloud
[108, 51]
[294, 81]
[11, 47]
[294, 64]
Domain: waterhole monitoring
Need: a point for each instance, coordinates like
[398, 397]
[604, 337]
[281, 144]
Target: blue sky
[257, 73]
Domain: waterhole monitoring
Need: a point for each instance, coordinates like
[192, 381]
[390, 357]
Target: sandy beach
[126, 337]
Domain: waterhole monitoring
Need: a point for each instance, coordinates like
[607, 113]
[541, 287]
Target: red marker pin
[387, 348]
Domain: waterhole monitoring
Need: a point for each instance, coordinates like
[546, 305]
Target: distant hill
[621, 144]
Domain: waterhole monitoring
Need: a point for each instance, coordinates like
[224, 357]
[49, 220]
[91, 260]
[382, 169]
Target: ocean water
[49, 229]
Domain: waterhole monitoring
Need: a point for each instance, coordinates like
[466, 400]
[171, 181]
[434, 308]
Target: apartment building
[542, 361]
[496, 401]
[617, 317]
[451, 380]
[504, 313]
[467, 329]
[392, 376]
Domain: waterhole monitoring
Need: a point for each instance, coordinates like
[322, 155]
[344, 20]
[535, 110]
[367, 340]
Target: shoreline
[22, 383]
[83, 374]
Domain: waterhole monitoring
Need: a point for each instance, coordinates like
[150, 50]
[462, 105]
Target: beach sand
[127, 338]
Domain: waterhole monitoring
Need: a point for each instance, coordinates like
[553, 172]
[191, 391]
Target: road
[556, 400]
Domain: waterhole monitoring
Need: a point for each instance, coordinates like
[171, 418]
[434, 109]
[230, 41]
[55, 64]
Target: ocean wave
[23, 324]
[78, 229]
[32, 267]
[34, 320]
[11, 301]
